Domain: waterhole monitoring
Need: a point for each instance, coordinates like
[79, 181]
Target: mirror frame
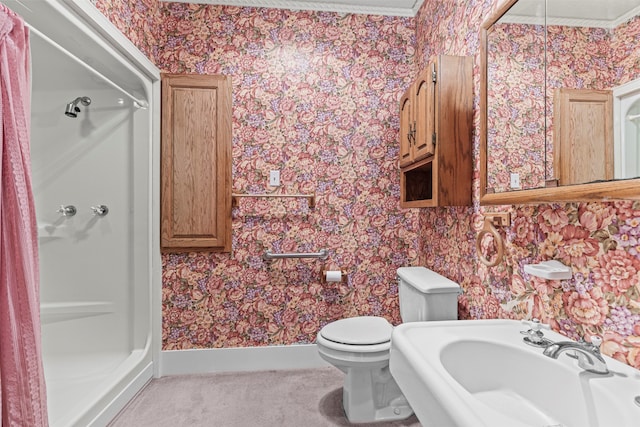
[625, 189]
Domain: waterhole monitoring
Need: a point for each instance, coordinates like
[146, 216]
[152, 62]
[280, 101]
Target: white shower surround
[626, 104]
[100, 276]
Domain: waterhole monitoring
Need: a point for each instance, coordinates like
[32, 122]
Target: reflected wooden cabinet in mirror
[583, 136]
[556, 95]
[435, 135]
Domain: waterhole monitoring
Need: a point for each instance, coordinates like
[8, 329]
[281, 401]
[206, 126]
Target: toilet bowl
[359, 346]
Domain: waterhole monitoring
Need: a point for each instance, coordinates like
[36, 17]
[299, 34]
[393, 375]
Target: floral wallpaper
[315, 95]
[582, 58]
[516, 119]
[599, 240]
[576, 57]
[136, 19]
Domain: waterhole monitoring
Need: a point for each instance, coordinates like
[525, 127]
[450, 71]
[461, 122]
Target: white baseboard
[179, 362]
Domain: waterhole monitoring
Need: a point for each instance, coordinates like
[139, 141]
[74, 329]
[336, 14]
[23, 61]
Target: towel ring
[488, 228]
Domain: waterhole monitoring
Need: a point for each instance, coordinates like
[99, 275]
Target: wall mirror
[560, 101]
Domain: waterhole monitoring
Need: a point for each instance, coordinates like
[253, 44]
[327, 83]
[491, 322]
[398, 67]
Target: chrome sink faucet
[588, 354]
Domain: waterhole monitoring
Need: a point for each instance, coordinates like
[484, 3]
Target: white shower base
[87, 384]
[83, 379]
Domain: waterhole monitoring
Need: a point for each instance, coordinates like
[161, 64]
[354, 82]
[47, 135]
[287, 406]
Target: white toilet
[359, 346]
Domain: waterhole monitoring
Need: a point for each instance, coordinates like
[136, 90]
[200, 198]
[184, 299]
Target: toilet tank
[426, 295]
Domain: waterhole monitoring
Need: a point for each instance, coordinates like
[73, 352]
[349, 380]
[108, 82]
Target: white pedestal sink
[475, 373]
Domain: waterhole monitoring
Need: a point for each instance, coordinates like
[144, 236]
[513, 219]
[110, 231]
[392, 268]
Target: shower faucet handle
[100, 210]
[68, 210]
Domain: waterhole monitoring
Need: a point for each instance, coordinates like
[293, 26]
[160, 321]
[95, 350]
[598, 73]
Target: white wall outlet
[274, 178]
[515, 180]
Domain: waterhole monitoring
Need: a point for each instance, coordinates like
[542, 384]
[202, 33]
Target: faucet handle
[534, 335]
[535, 324]
[100, 210]
[67, 211]
[595, 342]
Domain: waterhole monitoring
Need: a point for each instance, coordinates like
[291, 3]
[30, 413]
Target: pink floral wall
[315, 95]
[136, 19]
[516, 114]
[576, 58]
[599, 240]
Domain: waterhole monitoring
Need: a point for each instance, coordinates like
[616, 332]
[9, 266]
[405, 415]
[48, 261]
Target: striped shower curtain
[22, 386]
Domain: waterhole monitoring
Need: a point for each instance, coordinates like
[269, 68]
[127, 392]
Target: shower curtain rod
[139, 103]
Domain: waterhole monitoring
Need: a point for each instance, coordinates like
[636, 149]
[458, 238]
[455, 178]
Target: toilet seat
[363, 330]
[364, 334]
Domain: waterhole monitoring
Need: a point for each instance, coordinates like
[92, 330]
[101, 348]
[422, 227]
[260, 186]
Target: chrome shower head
[72, 109]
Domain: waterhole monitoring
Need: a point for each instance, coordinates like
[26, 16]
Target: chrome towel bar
[323, 254]
[311, 198]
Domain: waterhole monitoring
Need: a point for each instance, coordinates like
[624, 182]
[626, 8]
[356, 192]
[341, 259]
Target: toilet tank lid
[427, 281]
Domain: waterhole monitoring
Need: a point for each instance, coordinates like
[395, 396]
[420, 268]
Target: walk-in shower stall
[92, 148]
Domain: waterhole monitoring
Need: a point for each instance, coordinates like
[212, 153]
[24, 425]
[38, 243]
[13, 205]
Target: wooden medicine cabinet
[435, 135]
[578, 155]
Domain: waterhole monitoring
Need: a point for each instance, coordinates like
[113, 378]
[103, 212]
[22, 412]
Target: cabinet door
[583, 135]
[196, 162]
[425, 114]
[441, 167]
[406, 127]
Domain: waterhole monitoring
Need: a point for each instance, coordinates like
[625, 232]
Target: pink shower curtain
[22, 386]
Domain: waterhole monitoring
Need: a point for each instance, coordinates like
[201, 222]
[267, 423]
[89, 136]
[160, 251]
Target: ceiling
[368, 7]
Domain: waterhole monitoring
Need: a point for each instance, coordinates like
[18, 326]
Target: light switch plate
[274, 178]
[515, 180]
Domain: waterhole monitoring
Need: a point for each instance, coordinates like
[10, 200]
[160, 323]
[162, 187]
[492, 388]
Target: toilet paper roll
[333, 276]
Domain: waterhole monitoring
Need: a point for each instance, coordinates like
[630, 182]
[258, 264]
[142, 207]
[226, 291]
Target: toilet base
[371, 394]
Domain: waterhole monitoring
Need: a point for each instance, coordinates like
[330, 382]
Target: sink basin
[472, 373]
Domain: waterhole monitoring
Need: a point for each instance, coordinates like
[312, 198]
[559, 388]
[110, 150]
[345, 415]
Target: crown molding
[341, 6]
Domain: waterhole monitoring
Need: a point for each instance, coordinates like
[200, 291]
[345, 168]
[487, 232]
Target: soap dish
[551, 270]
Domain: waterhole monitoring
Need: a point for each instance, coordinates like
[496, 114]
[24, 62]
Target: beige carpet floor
[305, 398]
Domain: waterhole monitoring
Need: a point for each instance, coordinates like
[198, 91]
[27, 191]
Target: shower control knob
[68, 210]
[100, 210]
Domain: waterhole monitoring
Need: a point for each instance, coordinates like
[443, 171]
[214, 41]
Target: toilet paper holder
[343, 276]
